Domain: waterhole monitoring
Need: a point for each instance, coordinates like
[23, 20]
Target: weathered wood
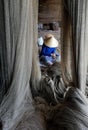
[49, 11]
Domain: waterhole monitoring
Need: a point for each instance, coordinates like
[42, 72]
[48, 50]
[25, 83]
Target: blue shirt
[47, 51]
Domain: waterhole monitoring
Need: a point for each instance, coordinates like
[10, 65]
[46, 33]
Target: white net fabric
[19, 46]
[17, 67]
[78, 12]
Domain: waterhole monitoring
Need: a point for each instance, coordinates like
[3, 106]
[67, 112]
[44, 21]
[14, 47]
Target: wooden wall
[49, 11]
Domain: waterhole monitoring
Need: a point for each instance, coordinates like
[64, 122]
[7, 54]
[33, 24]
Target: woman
[48, 53]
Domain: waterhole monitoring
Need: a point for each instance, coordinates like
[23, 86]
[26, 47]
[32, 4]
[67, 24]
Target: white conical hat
[50, 41]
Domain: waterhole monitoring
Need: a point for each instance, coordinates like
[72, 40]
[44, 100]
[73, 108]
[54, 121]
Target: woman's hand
[53, 55]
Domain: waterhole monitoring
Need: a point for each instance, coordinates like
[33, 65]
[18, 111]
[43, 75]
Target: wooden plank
[49, 11]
